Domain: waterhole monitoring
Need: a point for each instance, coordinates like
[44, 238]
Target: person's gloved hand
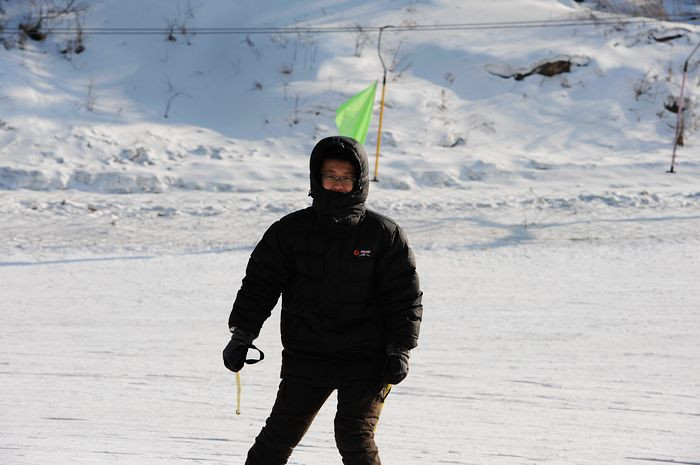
[396, 365]
[236, 350]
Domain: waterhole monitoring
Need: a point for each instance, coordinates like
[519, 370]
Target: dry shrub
[646, 8]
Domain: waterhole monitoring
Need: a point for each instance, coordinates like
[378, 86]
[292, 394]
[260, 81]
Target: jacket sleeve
[265, 278]
[398, 292]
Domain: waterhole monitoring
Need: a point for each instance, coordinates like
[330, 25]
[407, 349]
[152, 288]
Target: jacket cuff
[397, 349]
[241, 335]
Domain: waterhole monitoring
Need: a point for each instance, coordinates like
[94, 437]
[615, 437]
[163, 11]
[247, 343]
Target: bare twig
[170, 101]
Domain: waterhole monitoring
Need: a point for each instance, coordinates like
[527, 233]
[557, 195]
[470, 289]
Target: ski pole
[238, 393]
[239, 387]
[384, 394]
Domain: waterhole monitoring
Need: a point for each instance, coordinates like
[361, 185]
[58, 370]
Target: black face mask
[339, 211]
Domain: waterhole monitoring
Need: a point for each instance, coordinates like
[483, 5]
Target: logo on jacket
[362, 253]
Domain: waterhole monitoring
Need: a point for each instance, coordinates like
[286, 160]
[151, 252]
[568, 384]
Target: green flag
[352, 116]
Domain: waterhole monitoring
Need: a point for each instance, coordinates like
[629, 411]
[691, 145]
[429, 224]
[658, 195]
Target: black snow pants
[296, 406]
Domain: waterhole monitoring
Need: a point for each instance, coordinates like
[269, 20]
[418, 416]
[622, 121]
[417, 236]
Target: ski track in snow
[555, 331]
[41, 226]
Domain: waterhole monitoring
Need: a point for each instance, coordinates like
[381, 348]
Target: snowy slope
[245, 109]
[575, 354]
[558, 258]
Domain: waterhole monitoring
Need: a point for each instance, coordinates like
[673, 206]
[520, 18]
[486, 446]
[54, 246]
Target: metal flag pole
[381, 106]
[679, 118]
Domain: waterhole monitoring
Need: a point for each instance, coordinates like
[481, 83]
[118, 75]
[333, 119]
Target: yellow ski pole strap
[383, 395]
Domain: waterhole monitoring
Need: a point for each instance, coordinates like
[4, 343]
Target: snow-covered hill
[243, 110]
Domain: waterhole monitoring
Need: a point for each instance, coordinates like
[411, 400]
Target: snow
[563, 353]
[76, 121]
[557, 256]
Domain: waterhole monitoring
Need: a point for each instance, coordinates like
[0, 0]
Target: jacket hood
[334, 208]
[340, 148]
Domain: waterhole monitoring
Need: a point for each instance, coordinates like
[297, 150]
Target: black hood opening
[339, 148]
[337, 210]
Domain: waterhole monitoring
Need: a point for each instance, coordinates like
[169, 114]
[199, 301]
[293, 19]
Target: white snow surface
[558, 258]
[581, 352]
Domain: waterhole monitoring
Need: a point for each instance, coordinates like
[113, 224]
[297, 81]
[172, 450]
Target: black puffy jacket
[347, 278]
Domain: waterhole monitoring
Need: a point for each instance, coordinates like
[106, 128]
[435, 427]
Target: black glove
[396, 365]
[237, 348]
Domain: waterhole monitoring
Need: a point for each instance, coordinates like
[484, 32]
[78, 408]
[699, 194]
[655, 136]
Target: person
[351, 308]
